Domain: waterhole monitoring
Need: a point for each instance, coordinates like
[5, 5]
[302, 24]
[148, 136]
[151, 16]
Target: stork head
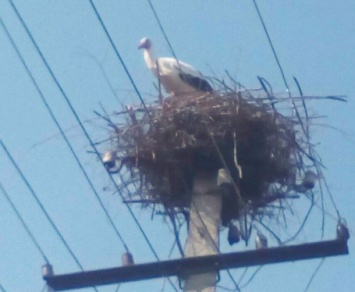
[145, 43]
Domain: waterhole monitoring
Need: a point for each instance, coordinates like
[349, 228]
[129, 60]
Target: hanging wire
[305, 130]
[46, 288]
[2, 288]
[23, 223]
[252, 277]
[118, 287]
[119, 58]
[43, 99]
[272, 46]
[83, 128]
[314, 274]
[162, 29]
[279, 65]
[39, 203]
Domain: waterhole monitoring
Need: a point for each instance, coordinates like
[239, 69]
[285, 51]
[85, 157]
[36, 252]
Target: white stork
[175, 76]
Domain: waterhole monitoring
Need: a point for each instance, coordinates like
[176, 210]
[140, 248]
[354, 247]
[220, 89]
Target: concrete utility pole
[203, 238]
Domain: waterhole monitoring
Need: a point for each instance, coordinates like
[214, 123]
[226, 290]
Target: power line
[305, 130]
[314, 274]
[38, 201]
[43, 99]
[252, 277]
[162, 29]
[119, 57]
[82, 126]
[279, 65]
[25, 226]
[58, 85]
[272, 46]
[2, 288]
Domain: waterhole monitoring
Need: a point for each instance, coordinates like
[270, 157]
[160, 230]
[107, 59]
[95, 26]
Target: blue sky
[315, 41]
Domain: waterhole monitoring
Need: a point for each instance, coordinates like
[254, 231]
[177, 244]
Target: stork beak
[141, 45]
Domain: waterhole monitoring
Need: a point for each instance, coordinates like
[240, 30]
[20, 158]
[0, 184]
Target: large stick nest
[164, 146]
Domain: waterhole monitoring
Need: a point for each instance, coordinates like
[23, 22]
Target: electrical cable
[82, 126]
[272, 46]
[278, 64]
[119, 58]
[162, 29]
[314, 274]
[305, 130]
[39, 203]
[23, 223]
[252, 277]
[43, 99]
[2, 289]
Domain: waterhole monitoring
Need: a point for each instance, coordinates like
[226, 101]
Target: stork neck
[150, 59]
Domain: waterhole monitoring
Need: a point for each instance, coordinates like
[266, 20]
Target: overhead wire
[279, 65]
[119, 58]
[305, 130]
[41, 206]
[272, 46]
[314, 274]
[54, 119]
[81, 124]
[162, 29]
[252, 277]
[2, 288]
[23, 223]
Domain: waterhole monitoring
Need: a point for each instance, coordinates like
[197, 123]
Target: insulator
[342, 231]
[109, 159]
[260, 241]
[47, 270]
[233, 234]
[223, 177]
[127, 259]
[309, 179]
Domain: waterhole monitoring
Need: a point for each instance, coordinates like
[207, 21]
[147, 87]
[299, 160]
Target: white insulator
[223, 177]
[342, 230]
[109, 159]
[47, 270]
[309, 179]
[127, 259]
[260, 241]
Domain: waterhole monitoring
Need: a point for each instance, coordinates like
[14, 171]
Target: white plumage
[175, 76]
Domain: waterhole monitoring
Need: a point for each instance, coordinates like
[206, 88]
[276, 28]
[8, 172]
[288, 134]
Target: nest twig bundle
[265, 152]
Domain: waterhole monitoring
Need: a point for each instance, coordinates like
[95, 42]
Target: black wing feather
[196, 82]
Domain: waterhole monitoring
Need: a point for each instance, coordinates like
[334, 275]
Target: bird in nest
[175, 76]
